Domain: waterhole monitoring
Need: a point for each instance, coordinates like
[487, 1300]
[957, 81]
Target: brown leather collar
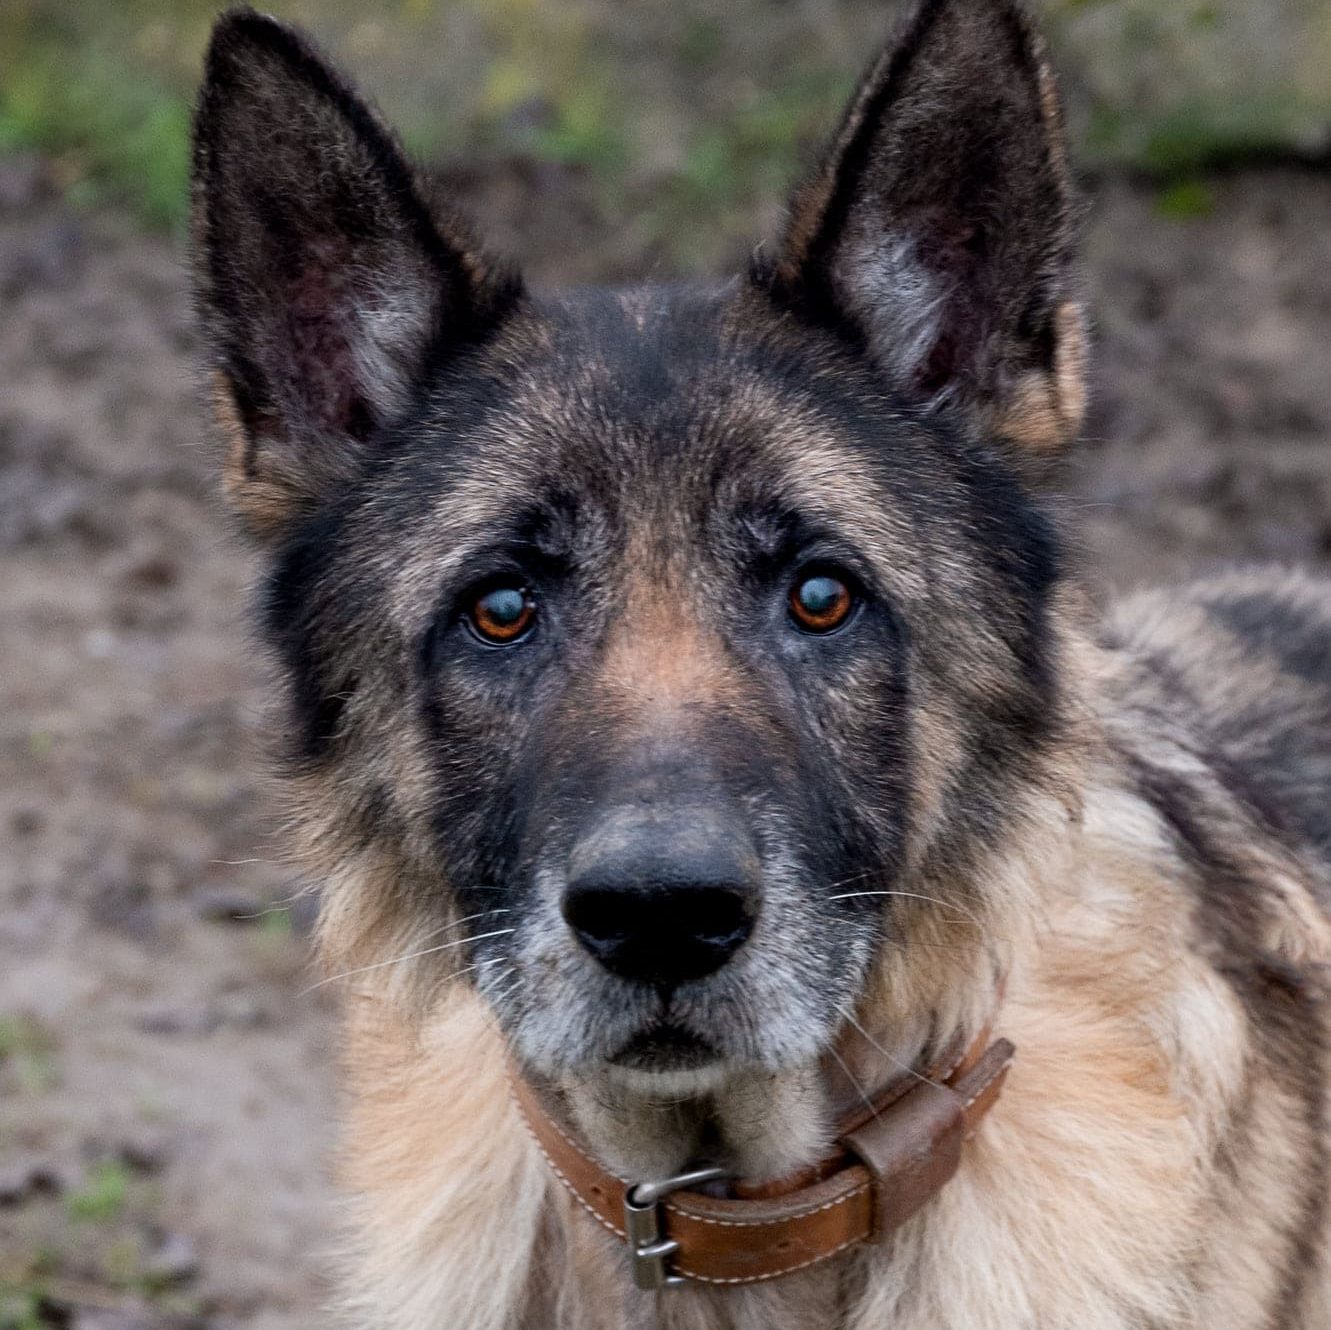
[893, 1156]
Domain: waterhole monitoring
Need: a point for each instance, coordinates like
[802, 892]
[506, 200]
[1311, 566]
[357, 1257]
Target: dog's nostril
[659, 933]
[602, 916]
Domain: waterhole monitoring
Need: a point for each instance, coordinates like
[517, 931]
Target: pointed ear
[938, 231]
[325, 281]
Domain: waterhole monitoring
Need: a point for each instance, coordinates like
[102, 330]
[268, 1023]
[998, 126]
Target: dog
[768, 892]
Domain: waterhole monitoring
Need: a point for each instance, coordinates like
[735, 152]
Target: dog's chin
[667, 1061]
[711, 1079]
[668, 1100]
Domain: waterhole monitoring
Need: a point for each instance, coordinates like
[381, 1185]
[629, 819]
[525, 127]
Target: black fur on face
[641, 481]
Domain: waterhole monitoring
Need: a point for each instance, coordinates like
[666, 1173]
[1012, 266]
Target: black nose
[663, 901]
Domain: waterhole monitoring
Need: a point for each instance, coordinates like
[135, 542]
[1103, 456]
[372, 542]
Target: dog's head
[653, 656]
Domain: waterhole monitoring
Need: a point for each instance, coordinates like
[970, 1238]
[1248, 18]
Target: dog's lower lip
[665, 1047]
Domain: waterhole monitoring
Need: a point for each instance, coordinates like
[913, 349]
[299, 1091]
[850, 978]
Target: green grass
[733, 168]
[275, 926]
[41, 743]
[1186, 199]
[112, 132]
[1196, 136]
[20, 1307]
[102, 1197]
[27, 1051]
[35, 1294]
[753, 154]
[111, 101]
[104, 88]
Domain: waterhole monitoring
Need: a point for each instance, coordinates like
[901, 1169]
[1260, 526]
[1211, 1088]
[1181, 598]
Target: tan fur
[266, 479]
[657, 658]
[262, 502]
[1045, 410]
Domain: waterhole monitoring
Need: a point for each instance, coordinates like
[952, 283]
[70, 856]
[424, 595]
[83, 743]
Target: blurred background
[165, 1074]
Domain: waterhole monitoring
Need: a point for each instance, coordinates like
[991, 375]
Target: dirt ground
[166, 1081]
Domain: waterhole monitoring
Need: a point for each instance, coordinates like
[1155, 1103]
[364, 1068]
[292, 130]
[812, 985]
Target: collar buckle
[648, 1246]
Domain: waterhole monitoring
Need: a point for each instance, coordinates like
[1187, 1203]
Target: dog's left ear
[938, 231]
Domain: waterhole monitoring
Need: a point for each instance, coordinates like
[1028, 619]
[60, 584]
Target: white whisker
[854, 877]
[970, 915]
[891, 1057]
[496, 998]
[850, 1076]
[410, 956]
[466, 919]
[467, 969]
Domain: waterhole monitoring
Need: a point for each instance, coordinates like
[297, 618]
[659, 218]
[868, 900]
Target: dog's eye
[503, 615]
[820, 603]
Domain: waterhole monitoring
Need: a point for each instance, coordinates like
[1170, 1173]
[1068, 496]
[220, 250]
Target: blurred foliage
[43, 1287]
[688, 118]
[1174, 86]
[27, 1054]
[1185, 199]
[20, 1307]
[102, 1196]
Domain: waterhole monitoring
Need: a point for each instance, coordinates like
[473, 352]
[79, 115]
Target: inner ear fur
[938, 232]
[326, 280]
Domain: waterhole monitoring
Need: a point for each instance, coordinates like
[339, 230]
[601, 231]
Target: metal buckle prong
[648, 1247]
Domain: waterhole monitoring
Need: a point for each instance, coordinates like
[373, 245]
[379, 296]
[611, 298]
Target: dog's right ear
[325, 280]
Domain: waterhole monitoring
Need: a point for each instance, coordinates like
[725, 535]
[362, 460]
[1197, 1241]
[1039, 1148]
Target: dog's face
[654, 648]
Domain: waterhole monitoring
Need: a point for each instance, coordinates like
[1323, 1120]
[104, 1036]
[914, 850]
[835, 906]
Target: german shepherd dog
[687, 697]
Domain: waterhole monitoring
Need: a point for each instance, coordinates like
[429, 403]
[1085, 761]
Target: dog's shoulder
[1241, 662]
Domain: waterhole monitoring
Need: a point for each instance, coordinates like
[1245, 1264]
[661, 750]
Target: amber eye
[821, 603]
[502, 615]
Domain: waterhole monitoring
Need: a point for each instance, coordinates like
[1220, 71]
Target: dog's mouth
[665, 1046]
